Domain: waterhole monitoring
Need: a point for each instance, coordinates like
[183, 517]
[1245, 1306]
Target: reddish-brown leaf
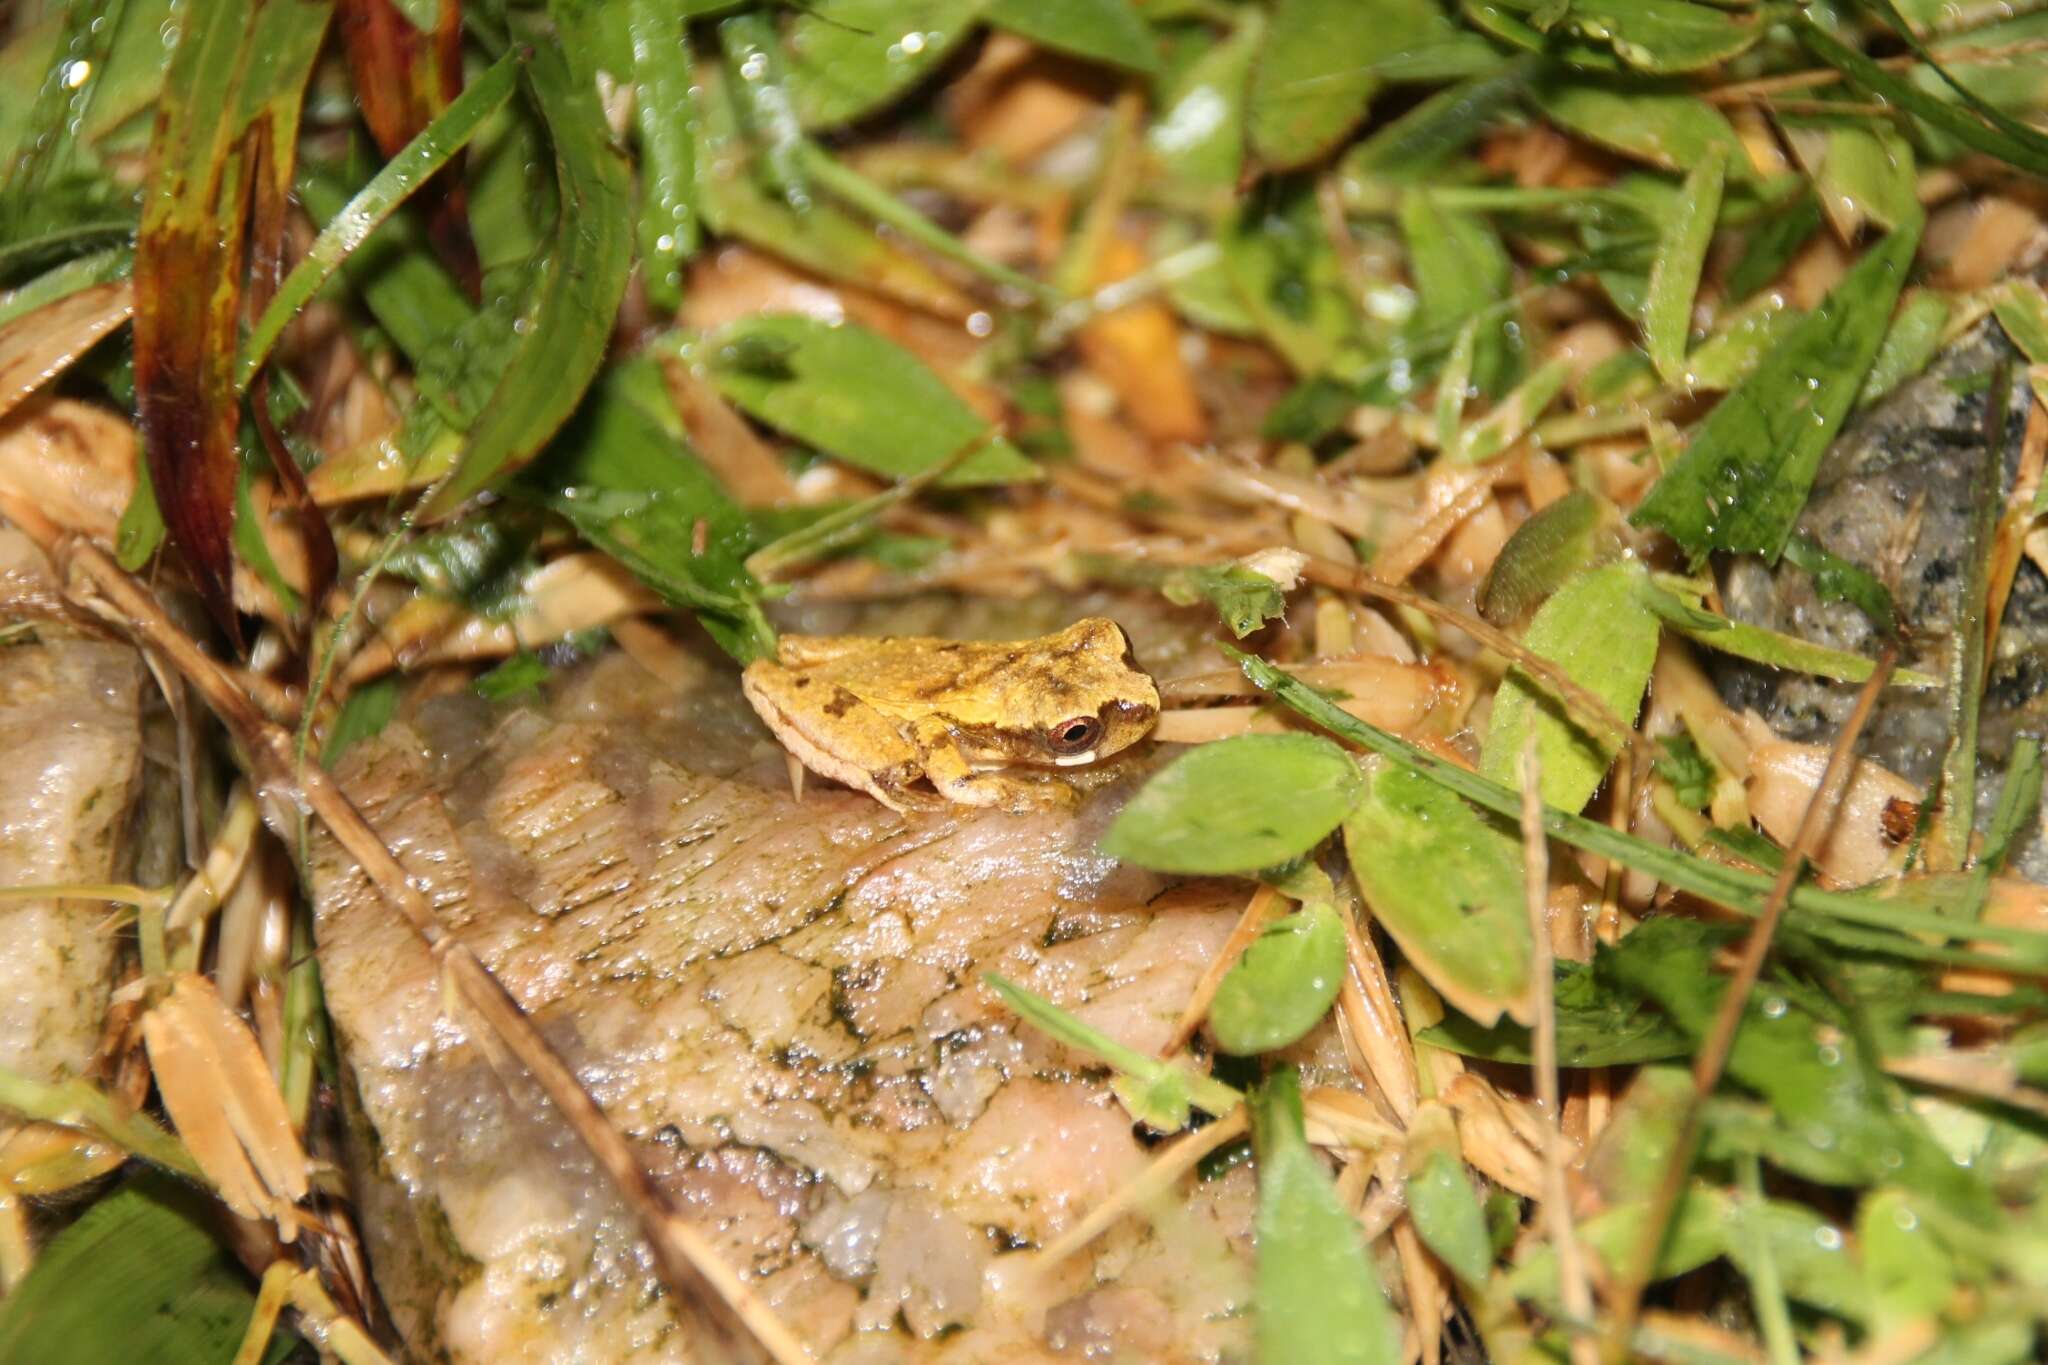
[234, 65]
[403, 78]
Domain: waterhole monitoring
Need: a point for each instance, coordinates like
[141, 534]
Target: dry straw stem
[1557, 1212]
[1179, 1157]
[1720, 1040]
[687, 1264]
[337, 1334]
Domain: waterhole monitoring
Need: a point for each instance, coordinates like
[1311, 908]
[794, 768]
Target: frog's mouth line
[1074, 760]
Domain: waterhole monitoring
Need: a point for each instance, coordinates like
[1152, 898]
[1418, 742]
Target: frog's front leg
[956, 779]
[838, 736]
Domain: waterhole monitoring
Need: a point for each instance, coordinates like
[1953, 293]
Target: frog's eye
[1074, 736]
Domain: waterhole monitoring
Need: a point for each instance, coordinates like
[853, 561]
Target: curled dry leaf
[225, 1102]
[1495, 1136]
[1872, 826]
[37, 347]
[72, 461]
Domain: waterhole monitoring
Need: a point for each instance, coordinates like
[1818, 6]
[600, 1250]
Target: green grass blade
[347, 230]
[583, 277]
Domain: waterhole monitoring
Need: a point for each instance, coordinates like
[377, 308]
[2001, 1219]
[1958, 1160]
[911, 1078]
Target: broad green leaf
[1667, 128]
[1447, 1215]
[1657, 36]
[1314, 76]
[859, 396]
[1156, 1092]
[1199, 134]
[1283, 985]
[1869, 167]
[1870, 923]
[848, 58]
[628, 482]
[1099, 30]
[1445, 882]
[568, 323]
[140, 1276]
[1573, 534]
[1675, 272]
[1808, 1067]
[1748, 467]
[1236, 805]
[1811, 1254]
[664, 113]
[1598, 631]
[1424, 138]
[1319, 1300]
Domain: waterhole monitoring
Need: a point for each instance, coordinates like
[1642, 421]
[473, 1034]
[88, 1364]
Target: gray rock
[1895, 495]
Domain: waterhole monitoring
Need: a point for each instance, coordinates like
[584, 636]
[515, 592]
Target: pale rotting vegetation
[1435, 378]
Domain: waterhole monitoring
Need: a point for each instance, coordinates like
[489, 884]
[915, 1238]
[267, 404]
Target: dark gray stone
[1895, 495]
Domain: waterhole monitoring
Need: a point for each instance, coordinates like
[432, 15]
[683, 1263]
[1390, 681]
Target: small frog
[881, 714]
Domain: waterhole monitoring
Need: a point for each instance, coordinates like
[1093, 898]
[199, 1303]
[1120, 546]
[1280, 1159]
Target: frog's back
[907, 667]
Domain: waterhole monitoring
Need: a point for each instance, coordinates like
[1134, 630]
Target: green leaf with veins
[1665, 128]
[1244, 598]
[1319, 1299]
[1314, 77]
[848, 58]
[1596, 629]
[1095, 30]
[1283, 985]
[1236, 805]
[857, 395]
[1597, 1026]
[1445, 882]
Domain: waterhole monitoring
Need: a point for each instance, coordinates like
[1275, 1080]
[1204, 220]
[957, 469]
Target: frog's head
[1074, 698]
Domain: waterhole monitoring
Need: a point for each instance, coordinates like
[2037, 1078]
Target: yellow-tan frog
[881, 714]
